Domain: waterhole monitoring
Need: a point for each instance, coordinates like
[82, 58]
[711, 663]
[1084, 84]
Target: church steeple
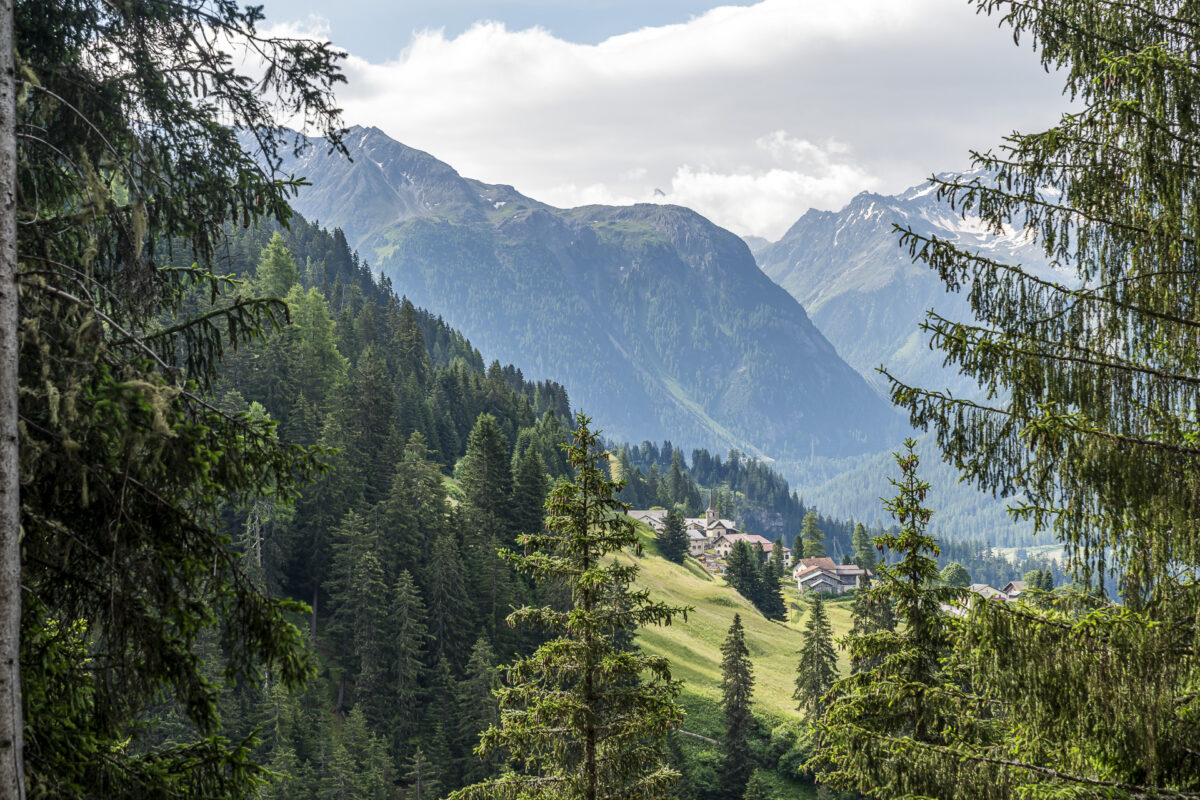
[710, 516]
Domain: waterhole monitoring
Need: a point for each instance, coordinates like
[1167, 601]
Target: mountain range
[659, 322]
[866, 294]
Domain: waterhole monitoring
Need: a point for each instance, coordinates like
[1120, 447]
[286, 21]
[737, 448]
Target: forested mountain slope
[658, 320]
[436, 461]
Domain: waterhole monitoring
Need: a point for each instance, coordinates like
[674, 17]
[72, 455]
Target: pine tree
[673, 542]
[812, 536]
[1091, 417]
[864, 547]
[742, 572]
[875, 731]
[423, 778]
[817, 669]
[770, 599]
[737, 687]
[580, 717]
[955, 574]
[125, 463]
[277, 272]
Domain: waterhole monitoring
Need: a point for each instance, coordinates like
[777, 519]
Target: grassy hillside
[694, 646]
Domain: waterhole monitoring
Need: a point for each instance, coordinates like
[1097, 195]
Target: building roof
[815, 575]
[1014, 587]
[723, 523]
[850, 569]
[988, 592]
[750, 538]
[824, 562]
[695, 534]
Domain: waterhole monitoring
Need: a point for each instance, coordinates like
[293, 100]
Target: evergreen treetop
[737, 687]
[817, 668]
[583, 717]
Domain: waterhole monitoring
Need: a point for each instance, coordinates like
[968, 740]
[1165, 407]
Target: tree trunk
[12, 768]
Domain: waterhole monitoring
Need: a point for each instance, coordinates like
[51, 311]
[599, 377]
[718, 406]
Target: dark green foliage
[905, 699]
[770, 592]
[743, 571]
[864, 548]
[449, 605]
[955, 574]
[127, 468]
[485, 473]
[813, 538]
[581, 717]
[530, 487]
[817, 668]
[737, 687]
[477, 708]
[673, 541]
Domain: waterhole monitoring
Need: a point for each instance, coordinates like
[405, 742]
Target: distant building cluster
[710, 538]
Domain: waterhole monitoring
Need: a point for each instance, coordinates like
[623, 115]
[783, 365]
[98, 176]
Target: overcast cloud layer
[748, 114]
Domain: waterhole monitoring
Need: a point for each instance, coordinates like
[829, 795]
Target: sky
[750, 114]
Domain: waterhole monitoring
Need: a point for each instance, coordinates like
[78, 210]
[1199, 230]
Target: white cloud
[750, 114]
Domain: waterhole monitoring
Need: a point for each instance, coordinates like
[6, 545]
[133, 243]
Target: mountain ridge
[660, 321]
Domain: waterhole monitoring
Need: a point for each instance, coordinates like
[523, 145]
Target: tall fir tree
[673, 542]
[742, 572]
[812, 536]
[883, 721]
[581, 717]
[737, 689]
[1093, 388]
[864, 547]
[817, 668]
[770, 593]
[111, 551]
[277, 272]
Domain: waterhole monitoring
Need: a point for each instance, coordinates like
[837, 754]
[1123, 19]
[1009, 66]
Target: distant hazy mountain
[659, 322]
[863, 291]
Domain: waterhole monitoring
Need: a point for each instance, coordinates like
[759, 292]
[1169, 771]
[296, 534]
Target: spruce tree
[277, 272]
[581, 717]
[812, 537]
[770, 595]
[955, 574]
[864, 547]
[883, 721]
[871, 613]
[817, 669]
[1090, 417]
[410, 639]
[737, 687]
[673, 542]
[423, 778]
[777, 558]
[450, 612]
[477, 708]
[742, 572]
[529, 491]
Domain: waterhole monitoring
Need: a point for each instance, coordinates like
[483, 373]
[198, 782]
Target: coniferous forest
[269, 529]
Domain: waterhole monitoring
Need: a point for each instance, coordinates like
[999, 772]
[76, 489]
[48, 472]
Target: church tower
[710, 516]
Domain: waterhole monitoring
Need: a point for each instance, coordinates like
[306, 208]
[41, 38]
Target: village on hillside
[711, 539]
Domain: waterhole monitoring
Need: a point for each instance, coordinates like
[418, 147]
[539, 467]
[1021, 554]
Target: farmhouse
[822, 575]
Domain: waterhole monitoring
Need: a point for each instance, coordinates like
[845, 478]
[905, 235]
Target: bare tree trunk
[12, 768]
